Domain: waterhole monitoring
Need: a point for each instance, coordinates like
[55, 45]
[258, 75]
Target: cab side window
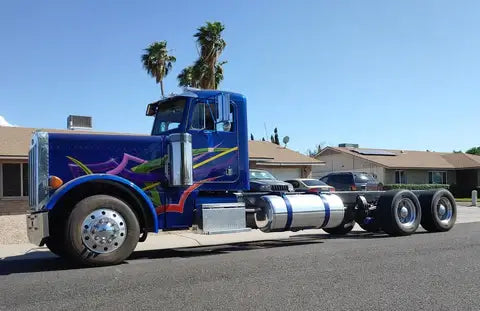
[202, 118]
[205, 117]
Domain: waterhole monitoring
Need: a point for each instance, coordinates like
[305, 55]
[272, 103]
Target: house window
[400, 177]
[14, 180]
[437, 177]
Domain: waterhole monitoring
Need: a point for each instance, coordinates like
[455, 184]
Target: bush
[415, 186]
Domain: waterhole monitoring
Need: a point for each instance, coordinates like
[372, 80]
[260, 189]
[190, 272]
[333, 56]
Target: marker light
[55, 182]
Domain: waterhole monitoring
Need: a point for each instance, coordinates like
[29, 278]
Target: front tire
[101, 230]
[399, 212]
[56, 245]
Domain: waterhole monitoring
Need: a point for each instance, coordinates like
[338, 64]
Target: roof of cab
[197, 93]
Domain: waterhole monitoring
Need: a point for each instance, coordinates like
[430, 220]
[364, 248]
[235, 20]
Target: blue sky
[383, 74]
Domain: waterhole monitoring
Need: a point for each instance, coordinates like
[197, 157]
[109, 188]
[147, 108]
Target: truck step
[218, 218]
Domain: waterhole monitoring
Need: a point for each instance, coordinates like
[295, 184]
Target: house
[282, 162]
[14, 145]
[404, 166]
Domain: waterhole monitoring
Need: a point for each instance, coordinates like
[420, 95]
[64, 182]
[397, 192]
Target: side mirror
[151, 109]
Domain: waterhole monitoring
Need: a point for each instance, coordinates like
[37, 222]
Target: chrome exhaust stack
[180, 167]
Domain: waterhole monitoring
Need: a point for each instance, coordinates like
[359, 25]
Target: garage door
[285, 173]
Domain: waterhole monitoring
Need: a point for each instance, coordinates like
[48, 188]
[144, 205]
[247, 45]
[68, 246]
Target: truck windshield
[313, 182]
[169, 116]
[261, 175]
[364, 178]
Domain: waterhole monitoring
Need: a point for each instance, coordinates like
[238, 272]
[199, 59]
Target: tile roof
[265, 152]
[414, 159]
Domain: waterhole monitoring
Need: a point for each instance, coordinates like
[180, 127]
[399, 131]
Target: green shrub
[415, 186]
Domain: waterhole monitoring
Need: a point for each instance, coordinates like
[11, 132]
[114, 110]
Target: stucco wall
[336, 162]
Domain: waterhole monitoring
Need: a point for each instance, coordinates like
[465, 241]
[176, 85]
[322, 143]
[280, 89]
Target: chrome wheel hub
[444, 210]
[441, 210]
[406, 212]
[103, 231]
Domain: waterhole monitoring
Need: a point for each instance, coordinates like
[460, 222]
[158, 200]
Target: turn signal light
[55, 182]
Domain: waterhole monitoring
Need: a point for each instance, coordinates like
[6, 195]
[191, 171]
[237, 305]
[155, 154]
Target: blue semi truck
[93, 197]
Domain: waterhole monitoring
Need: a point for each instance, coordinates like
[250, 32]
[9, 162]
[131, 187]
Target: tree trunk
[212, 81]
[213, 63]
[161, 88]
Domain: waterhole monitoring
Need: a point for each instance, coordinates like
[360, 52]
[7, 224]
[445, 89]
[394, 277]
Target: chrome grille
[32, 173]
[38, 171]
[279, 187]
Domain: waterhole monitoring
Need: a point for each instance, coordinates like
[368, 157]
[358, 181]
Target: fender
[93, 177]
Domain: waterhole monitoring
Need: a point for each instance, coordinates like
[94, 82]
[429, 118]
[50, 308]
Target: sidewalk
[181, 239]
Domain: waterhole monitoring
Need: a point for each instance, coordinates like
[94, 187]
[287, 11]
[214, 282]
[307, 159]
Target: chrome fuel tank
[299, 211]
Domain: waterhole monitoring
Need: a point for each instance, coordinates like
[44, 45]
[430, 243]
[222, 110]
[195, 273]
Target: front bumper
[37, 228]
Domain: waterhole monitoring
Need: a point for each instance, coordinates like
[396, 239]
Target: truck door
[215, 143]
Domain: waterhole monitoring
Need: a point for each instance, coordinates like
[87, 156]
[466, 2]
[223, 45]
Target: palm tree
[192, 76]
[157, 62]
[219, 73]
[211, 44]
[186, 77]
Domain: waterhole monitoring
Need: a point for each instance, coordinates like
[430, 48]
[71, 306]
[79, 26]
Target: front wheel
[56, 245]
[101, 230]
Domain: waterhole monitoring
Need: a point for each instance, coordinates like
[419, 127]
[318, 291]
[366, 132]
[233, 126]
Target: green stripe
[85, 169]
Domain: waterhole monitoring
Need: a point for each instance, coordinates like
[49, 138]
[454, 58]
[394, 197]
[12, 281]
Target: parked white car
[310, 185]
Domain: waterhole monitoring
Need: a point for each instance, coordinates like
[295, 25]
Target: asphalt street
[425, 271]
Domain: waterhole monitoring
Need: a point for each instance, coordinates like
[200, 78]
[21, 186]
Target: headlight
[265, 188]
[290, 188]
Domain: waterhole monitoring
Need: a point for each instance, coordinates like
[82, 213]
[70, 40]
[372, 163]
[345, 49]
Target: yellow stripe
[215, 157]
[150, 186]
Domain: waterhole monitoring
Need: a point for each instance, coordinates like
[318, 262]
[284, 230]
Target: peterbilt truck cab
[93, 197]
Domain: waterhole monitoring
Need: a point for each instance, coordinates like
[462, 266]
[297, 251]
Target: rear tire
[101, 230]
[439, 210]
[372, 227]
[399, 212]
[344, 228]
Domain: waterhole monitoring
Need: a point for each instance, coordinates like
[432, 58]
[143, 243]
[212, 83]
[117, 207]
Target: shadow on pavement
[34, 262]
[222, 248]
[38, 261]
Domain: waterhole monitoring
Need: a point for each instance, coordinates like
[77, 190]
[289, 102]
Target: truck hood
[140, 159]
